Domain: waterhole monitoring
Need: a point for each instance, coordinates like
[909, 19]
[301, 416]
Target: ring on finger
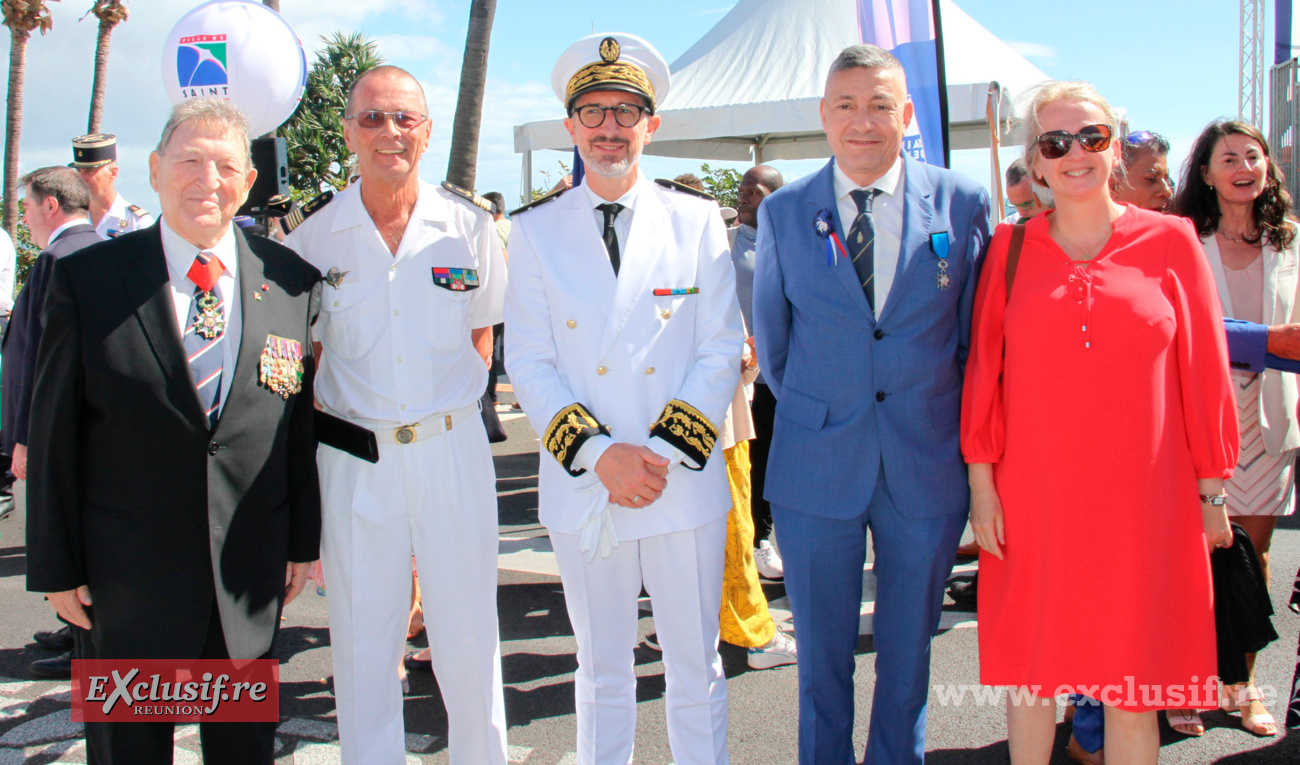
[636, 498]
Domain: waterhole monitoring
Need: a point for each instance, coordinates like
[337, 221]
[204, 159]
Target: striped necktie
[862, 242]
[205, 333]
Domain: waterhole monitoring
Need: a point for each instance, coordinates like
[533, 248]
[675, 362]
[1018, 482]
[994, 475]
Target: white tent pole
[992, 107]
[526, 190]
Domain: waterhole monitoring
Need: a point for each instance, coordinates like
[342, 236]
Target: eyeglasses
[593, 115]
[1056, 143]
[1022, 206]
[376, 119]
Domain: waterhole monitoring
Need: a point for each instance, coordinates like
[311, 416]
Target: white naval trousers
[682, 571]
[435, 498]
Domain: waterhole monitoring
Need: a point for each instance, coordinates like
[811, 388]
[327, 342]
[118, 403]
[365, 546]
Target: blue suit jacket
[854, 394]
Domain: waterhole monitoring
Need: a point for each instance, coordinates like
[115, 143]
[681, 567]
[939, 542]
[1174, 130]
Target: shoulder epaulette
[539, 201]
[468, 196]
[297, 214]
[139, 211]
[675, 186]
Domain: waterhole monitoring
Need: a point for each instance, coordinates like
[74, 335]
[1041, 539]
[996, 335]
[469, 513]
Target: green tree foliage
[26, 250]
[318, 157]
[723, 184]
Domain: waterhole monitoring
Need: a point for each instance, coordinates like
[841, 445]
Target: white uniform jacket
[1279, 391]
[122, 218]
[575, 334]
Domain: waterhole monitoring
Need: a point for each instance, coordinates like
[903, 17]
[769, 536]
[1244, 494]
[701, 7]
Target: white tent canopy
[749, 89]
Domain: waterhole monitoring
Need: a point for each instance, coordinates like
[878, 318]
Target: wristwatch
[1217, 500]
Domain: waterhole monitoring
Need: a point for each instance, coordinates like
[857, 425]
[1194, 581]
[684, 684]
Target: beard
[609, 168]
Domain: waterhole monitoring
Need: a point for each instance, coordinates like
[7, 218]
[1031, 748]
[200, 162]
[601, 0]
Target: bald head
[755, 185]
[378, 78]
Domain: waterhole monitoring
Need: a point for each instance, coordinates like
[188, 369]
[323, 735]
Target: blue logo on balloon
[201, 61]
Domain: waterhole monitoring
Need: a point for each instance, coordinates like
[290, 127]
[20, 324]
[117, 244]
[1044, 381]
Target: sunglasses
[1056, 143]
[376, 119]
[593, 116]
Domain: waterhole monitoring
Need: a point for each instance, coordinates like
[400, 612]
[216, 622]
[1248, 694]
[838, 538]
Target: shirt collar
[59, 231]
[628, 200]
[180, 253]
[352, 211]
[890, 183]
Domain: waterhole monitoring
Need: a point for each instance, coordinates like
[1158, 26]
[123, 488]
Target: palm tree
[318, 157]
[110, 13]
[469, 104]
[21, 16]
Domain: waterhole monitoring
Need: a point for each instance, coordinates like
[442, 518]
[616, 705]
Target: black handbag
[491, 422]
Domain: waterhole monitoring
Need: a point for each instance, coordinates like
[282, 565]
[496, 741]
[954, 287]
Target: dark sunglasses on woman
[1055, 144]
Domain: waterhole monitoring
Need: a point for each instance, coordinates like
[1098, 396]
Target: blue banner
[910, 29]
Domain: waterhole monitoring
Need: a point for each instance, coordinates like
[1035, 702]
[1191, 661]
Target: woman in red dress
[1097, 403]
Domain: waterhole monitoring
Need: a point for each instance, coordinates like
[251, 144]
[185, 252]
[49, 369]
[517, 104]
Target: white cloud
[1033, 50]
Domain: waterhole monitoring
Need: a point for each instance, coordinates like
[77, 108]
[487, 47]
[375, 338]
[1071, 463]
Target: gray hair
[212, 111]
[62, 183]
[864, 57]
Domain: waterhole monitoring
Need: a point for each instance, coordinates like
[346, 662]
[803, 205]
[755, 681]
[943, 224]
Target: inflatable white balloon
[239, 51]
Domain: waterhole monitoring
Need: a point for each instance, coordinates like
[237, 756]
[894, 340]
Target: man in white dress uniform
[623, 343]
[94, 157]
[412, 272]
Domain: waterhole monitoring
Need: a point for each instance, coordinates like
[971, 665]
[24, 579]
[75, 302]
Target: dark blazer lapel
[147, 281]
[918, 211]
[253, 321]
[822, 197]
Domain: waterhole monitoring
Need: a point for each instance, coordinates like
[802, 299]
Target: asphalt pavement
[538, 658]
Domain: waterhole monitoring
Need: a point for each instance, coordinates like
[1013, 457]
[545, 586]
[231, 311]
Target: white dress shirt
[396, 344]
[8, 261]
[887, 213]
[180, 256]
[121, 219]
[623, 223]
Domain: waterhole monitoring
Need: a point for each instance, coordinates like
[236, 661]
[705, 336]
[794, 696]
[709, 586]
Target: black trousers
[151, 743]
[764, 410]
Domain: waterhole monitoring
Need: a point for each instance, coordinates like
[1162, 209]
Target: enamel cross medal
[208, 323]
[939, 244]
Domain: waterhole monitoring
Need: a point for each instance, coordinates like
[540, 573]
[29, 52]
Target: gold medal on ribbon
[208, 322]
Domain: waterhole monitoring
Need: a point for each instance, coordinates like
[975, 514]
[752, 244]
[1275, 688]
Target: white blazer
[1280, 392]
[577, 334]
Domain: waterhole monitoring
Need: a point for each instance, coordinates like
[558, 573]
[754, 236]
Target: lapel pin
[257, 296]
[824, 228]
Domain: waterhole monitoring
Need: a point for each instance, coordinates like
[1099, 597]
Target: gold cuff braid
[568, 431]
[686, 428]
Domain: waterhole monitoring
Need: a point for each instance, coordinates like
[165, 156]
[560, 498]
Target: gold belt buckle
[404, 434]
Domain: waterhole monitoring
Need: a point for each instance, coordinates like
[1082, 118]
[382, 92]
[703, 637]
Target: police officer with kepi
[95, 158]
[414, 280]
[623, 342]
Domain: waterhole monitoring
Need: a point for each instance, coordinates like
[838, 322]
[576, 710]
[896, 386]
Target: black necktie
[862, 242]
[611, 212]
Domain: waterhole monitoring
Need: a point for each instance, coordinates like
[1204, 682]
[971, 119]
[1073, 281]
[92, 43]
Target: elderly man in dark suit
[55, 211]
[172, 480]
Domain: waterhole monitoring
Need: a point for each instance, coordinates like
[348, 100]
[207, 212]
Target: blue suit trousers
[824, 561]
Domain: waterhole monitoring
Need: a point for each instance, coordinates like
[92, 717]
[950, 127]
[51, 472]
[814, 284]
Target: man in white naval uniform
[94, 157]
[623, 343]
[412, 271]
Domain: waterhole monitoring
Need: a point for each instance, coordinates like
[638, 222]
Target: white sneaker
[768, 561]
[779, 651]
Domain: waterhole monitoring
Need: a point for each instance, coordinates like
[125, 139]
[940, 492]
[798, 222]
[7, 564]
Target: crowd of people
[203, 413]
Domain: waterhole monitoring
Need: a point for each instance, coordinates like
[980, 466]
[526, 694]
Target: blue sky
[1172, 64]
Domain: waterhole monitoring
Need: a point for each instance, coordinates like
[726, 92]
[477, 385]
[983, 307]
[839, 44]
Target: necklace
[1090, 252]
[1250, 240]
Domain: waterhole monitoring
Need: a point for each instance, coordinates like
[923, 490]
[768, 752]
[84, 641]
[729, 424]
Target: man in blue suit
[865, 358]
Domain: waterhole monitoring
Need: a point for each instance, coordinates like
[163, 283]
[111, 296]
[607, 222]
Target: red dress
[1112, 398]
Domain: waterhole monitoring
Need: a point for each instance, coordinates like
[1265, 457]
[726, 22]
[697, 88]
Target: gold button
[649, 370]
[666, 314]
[601, 370]
[571, 323]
